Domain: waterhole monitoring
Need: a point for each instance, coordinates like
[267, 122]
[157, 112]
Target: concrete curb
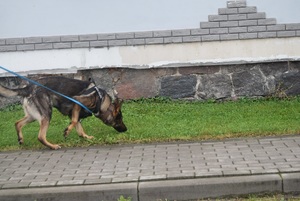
[209, 187]
[185, 189]
[291, 182]
[72, 193]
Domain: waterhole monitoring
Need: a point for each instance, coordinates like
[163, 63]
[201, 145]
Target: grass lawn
[277, 197]
[160, 120]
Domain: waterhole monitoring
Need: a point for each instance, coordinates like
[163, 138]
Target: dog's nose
[121, 128]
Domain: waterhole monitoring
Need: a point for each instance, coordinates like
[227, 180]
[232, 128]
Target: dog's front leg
[81, 132]
[74, 119]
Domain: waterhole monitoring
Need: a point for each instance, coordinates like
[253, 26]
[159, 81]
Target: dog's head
[113, 116]
[104, 108]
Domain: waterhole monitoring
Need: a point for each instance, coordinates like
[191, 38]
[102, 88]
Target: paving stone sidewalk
[150, 162]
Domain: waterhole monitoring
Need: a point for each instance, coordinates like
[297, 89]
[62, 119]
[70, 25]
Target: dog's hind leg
[81, 132]
[41, 110]
[19, 124]
[25, 120]
[44, 124]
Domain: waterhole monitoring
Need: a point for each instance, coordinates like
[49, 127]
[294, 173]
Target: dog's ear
[118, 104]
[91, 80]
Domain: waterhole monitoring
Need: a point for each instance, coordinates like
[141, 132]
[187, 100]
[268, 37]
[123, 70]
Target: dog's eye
[119, 116]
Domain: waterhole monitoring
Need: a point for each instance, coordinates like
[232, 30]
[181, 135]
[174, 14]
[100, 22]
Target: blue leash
[40, 85]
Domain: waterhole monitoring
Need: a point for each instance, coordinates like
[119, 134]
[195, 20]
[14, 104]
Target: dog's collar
[107, 115]
[97, 110]
[94, 89]
[99, 93]
[90, 90]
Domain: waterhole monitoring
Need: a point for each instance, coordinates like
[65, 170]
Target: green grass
[161, 120]
[276, 197]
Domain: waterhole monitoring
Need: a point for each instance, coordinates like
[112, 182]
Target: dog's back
[67, 86]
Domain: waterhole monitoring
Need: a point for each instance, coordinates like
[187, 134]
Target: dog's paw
[56, 147]
[88, 137]
[21, 141]
[66, 132]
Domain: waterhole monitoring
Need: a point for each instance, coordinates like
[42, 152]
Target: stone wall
[202, 82]
[217, 82]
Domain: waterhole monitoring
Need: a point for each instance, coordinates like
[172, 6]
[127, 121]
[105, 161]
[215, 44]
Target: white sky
[26, 18]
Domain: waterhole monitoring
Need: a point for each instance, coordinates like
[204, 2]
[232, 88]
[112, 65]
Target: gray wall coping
[236, 22]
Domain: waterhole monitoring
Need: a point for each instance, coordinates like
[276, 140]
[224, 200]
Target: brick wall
[235, 22]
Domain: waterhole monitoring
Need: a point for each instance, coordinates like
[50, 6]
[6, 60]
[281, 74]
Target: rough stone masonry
[193, 83]
[204, 82]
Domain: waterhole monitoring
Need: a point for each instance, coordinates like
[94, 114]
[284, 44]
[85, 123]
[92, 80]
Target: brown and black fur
[38, 103]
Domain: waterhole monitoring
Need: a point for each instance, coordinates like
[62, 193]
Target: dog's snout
[121, 128]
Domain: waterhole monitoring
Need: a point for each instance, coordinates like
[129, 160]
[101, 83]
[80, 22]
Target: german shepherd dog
[38, 103]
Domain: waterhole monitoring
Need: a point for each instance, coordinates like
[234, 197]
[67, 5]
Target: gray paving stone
[136, 163]
[10, 185]
[70, 182]
[42, 183]
[236, 172]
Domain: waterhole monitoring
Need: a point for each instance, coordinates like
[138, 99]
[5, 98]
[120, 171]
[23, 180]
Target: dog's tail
[7, 92]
